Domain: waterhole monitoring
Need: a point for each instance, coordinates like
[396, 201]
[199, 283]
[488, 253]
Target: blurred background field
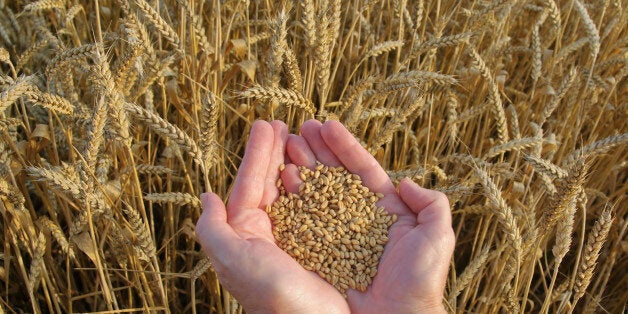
[116, 114]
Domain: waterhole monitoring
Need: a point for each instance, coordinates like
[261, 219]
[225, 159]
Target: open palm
[412, 271]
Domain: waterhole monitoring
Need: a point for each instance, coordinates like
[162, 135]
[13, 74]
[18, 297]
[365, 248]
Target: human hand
[413, 269]
[240, 243]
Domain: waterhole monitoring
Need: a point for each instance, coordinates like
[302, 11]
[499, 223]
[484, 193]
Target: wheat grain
[95, 132]
[545, 166]
[333, 220]
[7, 123]
[28, 54]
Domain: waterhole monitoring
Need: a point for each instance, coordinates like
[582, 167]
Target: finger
[299, 151]
[280, 131]
[290, 178]
[248, 188]
[214, 234]
[310, 130]
[430, 206]
[355, 158]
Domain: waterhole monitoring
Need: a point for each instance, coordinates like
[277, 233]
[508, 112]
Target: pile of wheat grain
[116, 114]
[332, 226]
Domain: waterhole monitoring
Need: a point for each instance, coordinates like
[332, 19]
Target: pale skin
[239, 241]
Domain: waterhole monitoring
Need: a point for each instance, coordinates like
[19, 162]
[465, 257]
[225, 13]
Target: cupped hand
[240, 243]
[413, 269]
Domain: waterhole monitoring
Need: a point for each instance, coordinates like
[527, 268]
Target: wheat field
[116, 114]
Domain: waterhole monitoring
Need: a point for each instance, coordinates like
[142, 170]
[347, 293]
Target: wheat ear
[167, 129]
[595, 241]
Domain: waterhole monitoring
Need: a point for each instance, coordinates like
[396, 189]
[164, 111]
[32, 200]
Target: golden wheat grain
[545, 166]
[105, 84]
[537, 63]
[69, 55]
[564, 87]
[95, 132]
[15, 91]
[278, 46]
[200, 268]
[510, 228]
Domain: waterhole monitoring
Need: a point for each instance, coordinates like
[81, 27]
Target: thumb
[212, 230]
[430, 206]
